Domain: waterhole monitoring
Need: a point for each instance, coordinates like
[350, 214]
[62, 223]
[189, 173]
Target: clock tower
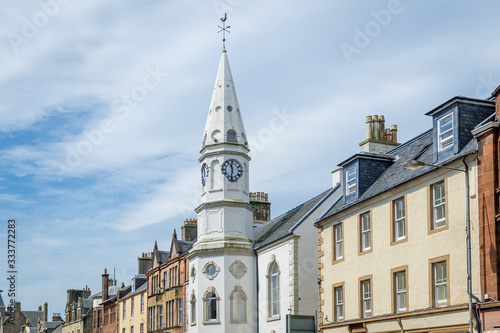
[222, 283]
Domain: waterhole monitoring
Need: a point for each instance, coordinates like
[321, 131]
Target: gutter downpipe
[257, 294]
[467, 231]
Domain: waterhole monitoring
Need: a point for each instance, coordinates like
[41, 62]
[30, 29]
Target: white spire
[224, 122]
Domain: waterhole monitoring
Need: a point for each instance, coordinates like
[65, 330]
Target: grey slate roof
[53, 324]
[58, 329]
[164, 256]
[281, 226]
[419, 148]
[87, 303]
[33, 316]
[184, 246]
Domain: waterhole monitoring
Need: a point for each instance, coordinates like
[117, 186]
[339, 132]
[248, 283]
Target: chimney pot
[376, 133]
[381, 124]
[369, 127]
[394, 132]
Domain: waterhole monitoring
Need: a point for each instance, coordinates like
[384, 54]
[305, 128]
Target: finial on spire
[224, 29]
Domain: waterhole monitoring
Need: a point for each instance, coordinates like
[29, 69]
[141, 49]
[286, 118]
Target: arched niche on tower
[238, 300]
[215, 176]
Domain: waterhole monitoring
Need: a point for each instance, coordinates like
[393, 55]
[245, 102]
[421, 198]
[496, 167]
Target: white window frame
[339, 303]
[400, 291]
[399, 221]
[160, 316]
[437, 204]
[274, 290]
[124, 309]
[440, 283]
[366, 297]
[350, 180]
[365, 232]
[339, 242]
[445, 138]
[179, 312]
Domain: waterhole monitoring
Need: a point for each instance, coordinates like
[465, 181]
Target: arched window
[211, 306]
[238, 305]
[231, 136]
[273, 279]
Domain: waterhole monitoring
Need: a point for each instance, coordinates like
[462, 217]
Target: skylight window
[445, 128]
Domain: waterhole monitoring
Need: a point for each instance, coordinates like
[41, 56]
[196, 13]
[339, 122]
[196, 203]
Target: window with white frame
[440, 284]
[132, 306]
[274, 290]
[142, 303]
[350, 180]
[400, 290]
[438, 205]
[124, 309]
[366, 298]
[399, 219]
[445, 131]
[339, 245]
[152, 321]
[160, 316]
[339, 303]
[142, 328]
[365, 232]
[179, 312]
[211, 300]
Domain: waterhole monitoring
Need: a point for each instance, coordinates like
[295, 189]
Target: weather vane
[224, 29]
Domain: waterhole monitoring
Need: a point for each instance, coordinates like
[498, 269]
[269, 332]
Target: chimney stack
[105, 285]
[262, 212]
[45, 311]
[378, 138]
[189, 231]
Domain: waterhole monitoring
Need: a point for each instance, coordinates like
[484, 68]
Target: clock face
[204, 174]
[232, 170]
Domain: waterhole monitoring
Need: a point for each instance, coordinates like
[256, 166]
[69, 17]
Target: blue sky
[103, 107]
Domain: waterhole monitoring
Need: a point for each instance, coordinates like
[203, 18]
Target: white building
[243, 276]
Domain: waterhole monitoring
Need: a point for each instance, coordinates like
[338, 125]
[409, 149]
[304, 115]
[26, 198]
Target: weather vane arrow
[224, 29]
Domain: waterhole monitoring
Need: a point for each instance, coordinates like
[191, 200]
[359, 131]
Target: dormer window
[350, 176]
[445, 135]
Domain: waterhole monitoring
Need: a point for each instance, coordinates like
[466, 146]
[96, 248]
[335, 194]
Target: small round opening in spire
[229, 108]
[217, 109]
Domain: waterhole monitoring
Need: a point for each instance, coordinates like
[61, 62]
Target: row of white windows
[400, 300]
[132, 306]
[399, 221]
[172, 317]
